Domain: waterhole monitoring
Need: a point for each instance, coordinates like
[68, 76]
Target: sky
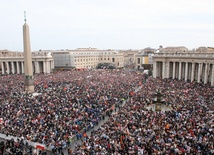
[107, 24]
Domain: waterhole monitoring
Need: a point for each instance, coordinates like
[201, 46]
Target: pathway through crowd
[116, 109]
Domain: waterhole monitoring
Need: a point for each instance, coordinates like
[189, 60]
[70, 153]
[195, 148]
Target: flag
[131, 93]
[1, 121]
[40, 147]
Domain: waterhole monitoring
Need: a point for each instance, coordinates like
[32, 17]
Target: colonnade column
[206, 75]
[36, 66]
[52, 65]
[186, 71]
[8, 70]
[12, 65]
[17, 67]
[179, 72]
[212, 76]
[22, 64]
[167, 69]
[44, 67]
[199, 72]
[193, 71]
[2, 68]
[154, 69]
[173, 70]
[163, 70]
[47, 66]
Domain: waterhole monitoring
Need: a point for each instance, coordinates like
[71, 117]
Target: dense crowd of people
[64, 104]
[188, 128]
[18, 147]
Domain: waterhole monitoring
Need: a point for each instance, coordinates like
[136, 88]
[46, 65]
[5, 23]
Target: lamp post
[158, 101]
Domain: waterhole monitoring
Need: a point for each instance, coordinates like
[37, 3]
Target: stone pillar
[163, 70]
[173, 71]
[186, 71]
[158, 70]
[12, 65]
[199, 72]
[193, 72]
[154, 69]
[17, 67]
[212, 76]
[2, 68]
[44, 67]
[8, 69]
[22, 65]
[52, 65]
[48, 66]
[167, 69]
[36, 67]
[206, 73]
[179, 73]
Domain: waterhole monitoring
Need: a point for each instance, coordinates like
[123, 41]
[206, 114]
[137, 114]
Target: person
[185, 129]
[2, 147]
[64, 103]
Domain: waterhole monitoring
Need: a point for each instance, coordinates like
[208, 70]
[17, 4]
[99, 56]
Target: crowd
[68, 103]
[188, 128]
[18, 147]
[65, 104]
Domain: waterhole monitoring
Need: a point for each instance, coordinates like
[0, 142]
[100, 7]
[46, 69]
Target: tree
[105, 66]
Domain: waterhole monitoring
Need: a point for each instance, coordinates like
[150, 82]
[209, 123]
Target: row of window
[92, 59]
[82, 63]
[91, 53]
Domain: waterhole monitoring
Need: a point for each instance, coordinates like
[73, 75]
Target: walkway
[116, 109]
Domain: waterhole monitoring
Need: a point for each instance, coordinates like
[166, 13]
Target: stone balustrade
[197, 55]
[21, 54]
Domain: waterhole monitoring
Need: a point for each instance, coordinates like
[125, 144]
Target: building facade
[143, 58]
[86, 58]
[13, 62]
[189, 66]
[140, 60]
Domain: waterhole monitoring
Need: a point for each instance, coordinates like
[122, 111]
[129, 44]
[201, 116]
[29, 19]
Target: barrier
[35, 145]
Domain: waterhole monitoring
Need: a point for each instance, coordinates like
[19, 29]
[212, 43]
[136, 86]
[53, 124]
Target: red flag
[131, 93]
[40, 147]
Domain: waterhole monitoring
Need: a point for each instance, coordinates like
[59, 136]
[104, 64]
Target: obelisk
[28, 69]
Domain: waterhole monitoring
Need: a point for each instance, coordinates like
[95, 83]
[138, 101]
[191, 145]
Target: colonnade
[17, 67]
[187, 70]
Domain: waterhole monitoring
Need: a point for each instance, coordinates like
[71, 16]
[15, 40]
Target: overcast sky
[107, 24]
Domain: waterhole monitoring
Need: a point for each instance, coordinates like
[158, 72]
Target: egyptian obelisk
[28, 70]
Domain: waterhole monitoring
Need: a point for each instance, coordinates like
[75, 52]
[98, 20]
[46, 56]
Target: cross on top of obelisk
[25, 16]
